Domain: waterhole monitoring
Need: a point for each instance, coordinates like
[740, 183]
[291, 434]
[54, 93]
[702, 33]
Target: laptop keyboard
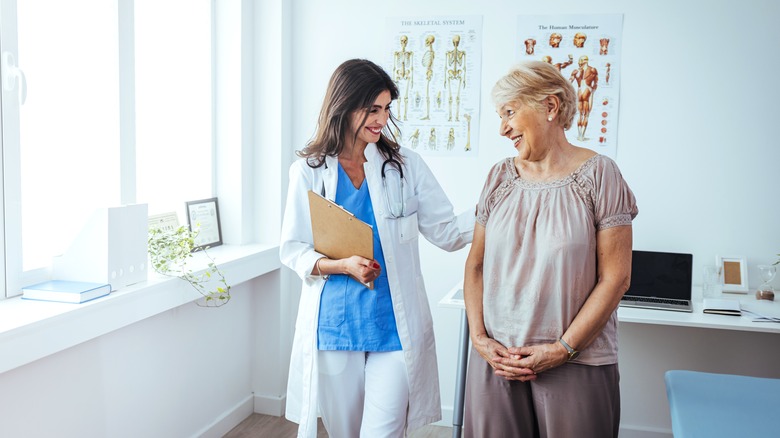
[655, 300]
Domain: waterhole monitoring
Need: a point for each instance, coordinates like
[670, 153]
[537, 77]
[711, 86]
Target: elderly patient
[550, 260]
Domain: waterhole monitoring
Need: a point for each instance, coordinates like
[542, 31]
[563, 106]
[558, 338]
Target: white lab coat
[434, 219]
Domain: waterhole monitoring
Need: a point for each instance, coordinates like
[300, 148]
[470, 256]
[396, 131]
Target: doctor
[365, 358]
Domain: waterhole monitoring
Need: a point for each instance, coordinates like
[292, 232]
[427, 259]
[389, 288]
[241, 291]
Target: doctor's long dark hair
[354, 86]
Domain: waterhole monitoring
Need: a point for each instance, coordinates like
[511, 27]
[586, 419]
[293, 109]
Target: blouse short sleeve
[615, 204]
[496, 178]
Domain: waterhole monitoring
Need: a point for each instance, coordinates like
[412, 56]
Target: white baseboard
[228, 420]
[446, 417]
[269, 405]
[633, 431]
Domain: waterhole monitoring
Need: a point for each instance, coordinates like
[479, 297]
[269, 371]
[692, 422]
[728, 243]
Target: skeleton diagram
[455, 67]
[451, 139]
[403, 73]
[414, 139]
[609, 66]
[427, 62]
[468, 133]
[587, 78]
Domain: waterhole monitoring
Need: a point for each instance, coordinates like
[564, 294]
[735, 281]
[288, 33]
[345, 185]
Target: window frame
[10, 144]
[12, 275]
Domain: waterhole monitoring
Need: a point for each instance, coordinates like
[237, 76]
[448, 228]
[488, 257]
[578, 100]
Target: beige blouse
[540, 251]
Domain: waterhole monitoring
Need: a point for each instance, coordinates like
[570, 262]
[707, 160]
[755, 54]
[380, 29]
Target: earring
[549, 118]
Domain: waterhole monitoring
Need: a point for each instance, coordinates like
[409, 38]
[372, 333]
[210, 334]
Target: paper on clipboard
[338, 233]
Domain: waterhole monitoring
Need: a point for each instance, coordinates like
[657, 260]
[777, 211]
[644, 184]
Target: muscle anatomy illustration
[604, 46]
[529, 46]
[555, 40]
[587, 79]
[579, 39]
[558, 65]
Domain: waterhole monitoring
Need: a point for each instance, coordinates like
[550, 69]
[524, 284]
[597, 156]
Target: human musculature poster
[586, 50]
[435, 62]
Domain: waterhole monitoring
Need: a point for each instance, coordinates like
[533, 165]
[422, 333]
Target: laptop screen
[661, 275]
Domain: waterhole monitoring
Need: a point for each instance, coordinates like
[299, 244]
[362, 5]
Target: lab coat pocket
[408, 228]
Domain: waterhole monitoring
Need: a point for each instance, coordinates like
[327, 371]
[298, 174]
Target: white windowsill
[30, 330]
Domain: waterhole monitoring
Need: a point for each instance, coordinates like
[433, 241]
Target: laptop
[660, 280]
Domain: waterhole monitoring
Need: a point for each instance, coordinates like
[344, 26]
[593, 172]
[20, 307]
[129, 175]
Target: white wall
[698, 108]
[180, 373]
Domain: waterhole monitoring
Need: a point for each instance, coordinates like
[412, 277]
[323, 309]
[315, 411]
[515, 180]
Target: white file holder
[111, 248]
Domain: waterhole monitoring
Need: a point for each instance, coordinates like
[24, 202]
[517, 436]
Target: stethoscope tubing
[397, 165]
[401, 186]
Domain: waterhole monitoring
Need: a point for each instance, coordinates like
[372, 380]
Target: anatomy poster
[435, 61]
[586, 50]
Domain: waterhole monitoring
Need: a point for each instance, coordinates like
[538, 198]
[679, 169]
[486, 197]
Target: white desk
[697, 318]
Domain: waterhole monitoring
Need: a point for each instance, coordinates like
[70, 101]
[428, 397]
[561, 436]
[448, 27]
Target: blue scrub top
[353, 317]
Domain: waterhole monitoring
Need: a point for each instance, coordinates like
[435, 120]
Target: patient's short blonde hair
[530, 83]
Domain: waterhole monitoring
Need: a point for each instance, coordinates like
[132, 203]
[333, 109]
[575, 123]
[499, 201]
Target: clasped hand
[362, 269]
[519, 363]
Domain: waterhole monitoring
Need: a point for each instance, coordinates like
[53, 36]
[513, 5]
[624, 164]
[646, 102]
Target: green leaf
[168, 253]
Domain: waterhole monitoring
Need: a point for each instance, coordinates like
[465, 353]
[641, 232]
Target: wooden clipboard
[338, 233]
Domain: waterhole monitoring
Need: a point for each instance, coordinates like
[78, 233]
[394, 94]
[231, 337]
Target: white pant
[363, 394]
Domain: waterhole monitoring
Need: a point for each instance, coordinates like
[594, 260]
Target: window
[173, 102]
[103, 103]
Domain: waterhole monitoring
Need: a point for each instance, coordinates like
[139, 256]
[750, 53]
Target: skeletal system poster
[586, 50]
[435, 62]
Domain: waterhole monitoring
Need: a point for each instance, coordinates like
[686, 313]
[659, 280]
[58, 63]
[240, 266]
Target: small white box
[111, 248]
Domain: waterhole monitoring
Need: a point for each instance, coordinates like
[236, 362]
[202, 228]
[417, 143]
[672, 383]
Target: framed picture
[165, 221]
[734, 270]
[203, 217]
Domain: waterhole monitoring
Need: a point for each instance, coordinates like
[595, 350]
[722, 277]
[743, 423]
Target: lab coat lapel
[372, 166]
[330, 177]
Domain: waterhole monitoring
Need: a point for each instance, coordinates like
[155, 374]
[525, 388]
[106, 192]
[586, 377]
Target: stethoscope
[396, 209]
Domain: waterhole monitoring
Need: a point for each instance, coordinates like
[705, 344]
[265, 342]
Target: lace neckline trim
[515, 176]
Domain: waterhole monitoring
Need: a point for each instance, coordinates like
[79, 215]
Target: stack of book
[722, 306]
[65, 291]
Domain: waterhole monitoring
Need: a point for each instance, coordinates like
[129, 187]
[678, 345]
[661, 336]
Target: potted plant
[169, 252]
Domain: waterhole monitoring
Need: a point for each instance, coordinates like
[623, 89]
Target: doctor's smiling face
[355, 112]
[367, 124]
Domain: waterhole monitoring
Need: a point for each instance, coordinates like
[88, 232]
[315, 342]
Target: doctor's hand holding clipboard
[359, 268]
